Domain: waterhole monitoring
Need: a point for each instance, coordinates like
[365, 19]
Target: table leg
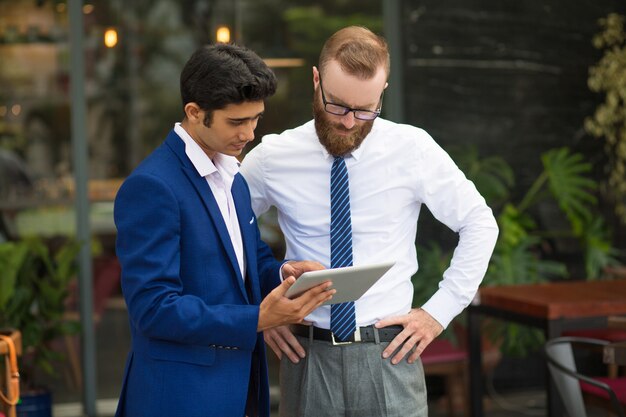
[475, 362]
[555, 405]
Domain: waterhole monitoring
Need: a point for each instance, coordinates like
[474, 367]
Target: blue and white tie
[342, 316]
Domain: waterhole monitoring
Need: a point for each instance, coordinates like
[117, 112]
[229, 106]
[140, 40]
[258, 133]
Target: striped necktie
[342, 316]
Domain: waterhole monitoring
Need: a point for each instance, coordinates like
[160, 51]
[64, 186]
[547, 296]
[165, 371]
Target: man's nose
[248, 131]
[348, 120]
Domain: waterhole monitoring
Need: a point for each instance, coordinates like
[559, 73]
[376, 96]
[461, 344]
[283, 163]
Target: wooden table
[552, 307]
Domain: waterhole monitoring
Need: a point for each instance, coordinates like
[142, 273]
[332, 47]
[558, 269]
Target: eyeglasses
[339, 110]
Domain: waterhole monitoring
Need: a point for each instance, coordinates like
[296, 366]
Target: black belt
[363, 334]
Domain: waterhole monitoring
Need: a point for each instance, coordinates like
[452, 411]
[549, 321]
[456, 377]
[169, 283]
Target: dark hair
[222, 74]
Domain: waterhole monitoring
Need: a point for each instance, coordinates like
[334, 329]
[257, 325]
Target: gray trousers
[350, 381]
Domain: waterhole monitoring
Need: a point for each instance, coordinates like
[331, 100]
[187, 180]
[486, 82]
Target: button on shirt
[396, 169]
[219, 174]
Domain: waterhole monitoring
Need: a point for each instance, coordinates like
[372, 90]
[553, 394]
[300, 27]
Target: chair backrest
[562, 365]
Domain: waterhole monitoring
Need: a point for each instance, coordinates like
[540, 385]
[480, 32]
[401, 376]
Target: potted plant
[35, 278]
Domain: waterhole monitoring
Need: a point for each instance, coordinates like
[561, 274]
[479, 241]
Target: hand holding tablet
[350, 282]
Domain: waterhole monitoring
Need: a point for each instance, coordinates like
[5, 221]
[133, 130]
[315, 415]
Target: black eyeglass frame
[341, 110]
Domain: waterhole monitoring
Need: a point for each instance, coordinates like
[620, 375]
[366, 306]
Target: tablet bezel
[350, 282]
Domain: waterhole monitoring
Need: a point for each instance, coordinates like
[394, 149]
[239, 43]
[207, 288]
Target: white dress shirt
[219, 174]
[395, 170]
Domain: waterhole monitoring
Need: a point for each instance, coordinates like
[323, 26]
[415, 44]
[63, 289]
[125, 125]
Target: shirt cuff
[280, 271]
[443, 307]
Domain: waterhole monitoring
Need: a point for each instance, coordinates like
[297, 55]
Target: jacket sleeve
[269, 268]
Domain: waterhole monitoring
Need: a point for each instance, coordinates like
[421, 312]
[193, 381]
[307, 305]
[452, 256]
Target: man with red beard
[348, 187]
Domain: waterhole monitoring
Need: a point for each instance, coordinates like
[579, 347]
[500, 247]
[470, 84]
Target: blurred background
[528, 97]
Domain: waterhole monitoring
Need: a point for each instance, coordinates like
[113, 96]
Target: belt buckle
[357, 338]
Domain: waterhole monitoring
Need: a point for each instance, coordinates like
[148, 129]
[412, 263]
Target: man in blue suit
[199, 283]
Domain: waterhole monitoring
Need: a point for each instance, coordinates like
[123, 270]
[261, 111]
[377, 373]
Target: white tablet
[350, 282]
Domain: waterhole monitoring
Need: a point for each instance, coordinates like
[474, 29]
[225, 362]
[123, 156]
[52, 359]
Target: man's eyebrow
[243, 119]
[335, 100]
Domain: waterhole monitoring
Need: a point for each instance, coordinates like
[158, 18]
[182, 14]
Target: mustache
[343, 128]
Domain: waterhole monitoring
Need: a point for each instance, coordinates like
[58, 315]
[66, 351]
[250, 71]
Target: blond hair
[359, 52]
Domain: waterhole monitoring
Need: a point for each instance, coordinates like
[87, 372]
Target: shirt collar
[226, 165]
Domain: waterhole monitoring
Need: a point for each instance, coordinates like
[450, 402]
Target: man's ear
[193, 113]
[316, 77]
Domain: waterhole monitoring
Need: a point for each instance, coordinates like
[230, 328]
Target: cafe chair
[449, 361]
[577, 390]
[443, 359]
[10, 349]
[606, 333]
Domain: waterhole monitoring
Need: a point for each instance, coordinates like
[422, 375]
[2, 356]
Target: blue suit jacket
[193, 324]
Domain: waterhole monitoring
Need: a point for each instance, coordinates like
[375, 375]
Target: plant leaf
[12, 256]
[569, 185]
[492, 176]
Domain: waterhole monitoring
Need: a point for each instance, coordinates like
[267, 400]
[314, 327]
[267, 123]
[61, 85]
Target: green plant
[34, 284]
[608, 76]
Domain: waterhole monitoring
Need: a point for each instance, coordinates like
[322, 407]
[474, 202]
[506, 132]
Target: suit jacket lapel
[246, 218]
[206, 195]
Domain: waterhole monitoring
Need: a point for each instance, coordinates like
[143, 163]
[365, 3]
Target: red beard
[335, 144]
